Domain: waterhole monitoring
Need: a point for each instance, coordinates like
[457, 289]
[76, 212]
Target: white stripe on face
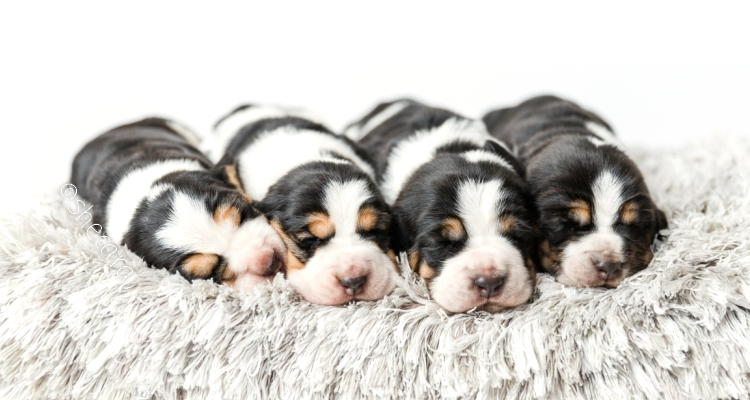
[271, 156]
[487, 254]
[419, 148]
[356, 132]
[216, 145]
[603, 244]
[131, 190]
[346, 255]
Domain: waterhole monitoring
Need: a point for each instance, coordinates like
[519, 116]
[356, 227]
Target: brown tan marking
[414, 260]
[227, 214]
[292, 260]
[580, 212]
[200, 265]
[629, 212]
[425, 271]
[228, 277]
[453, 229]
[550, 259]
[392, 256]
[234, 180]
[320, 225]
[507, 223]
[367, 219]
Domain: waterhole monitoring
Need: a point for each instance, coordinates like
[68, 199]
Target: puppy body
[459, 204]
[154, 192]
[317, 189]
[597, 217]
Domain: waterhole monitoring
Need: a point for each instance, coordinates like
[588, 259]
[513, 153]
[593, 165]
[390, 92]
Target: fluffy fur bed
[73, 328]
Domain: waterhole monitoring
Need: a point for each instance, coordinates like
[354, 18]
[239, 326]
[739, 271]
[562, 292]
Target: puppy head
[472, 233]
[198, 225]
[597, 218]
[335, 225]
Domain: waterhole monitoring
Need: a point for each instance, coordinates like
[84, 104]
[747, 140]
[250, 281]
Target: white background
[662, 73]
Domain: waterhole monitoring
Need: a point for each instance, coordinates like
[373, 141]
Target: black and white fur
[459, 204]
[154, 192]
[317, 189]
[597, 218]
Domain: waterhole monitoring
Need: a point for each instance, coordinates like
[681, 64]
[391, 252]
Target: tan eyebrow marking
[629, 212]
[320, 225]
[227, 214]
[508, 223]
[453, 229]
[580, 212]
[200, 265]
[367, 219]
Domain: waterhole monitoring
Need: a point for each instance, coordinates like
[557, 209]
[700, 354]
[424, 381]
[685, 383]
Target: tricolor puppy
[597, 218]
[156, 193]
[317, 190]
[459, 204]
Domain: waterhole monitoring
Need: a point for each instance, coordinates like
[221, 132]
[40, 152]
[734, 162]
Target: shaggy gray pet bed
[71, 327]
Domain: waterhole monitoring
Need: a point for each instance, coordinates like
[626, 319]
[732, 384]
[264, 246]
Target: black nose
[607, 270]
[353, 285]
[273, 266]
[489, 286]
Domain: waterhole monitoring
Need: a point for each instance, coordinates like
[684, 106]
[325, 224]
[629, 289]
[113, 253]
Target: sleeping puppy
[597, 218]
[459, 204]
[317, 189]
[156, 193]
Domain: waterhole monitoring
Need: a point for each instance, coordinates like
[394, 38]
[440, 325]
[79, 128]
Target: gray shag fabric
[71, 327]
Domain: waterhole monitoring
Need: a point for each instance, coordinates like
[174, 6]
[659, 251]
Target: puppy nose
[607, 269]
[489, 286]
[353, 285]
[273, 265]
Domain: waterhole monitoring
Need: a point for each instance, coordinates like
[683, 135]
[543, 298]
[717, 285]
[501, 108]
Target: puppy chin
[319, 281]
[454, 289]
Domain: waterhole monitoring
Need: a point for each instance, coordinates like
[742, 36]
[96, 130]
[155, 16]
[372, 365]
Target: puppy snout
[353, 285]
[608, 269]
[489, 286]
[269, 264]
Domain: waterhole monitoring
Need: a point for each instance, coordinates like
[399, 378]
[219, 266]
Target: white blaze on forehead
[476, 156]
[356, 132]
[419, 148]
[606, 136]
[607, 191]
[342, 202]
[133, 188]
[478, 204]
[275, 153]
[216, 145]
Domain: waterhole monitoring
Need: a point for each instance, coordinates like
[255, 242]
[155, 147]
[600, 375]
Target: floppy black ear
[660, 220]
[501, 151]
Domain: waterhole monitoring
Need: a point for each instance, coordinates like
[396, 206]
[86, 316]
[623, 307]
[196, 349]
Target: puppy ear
[226, 171]
[660, 221]
[501, 151]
